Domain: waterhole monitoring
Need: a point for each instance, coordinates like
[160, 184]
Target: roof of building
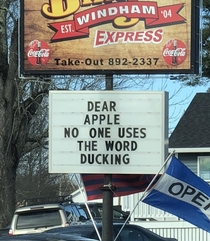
[193, 129]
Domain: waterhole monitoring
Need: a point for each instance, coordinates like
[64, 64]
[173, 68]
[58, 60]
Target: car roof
[45, 237]
[97, 204]
[36, 207]
[76, 228]
[89, 204]
[90, 227]
[41, 237]
[80, 226]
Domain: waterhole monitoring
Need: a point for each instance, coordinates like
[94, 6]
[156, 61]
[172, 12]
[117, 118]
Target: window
[82, 211]
[117, 214]
[76, 213]
[70, 214]
[45, 218]
[204, 167]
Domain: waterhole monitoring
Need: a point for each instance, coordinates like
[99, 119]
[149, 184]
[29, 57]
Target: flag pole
[150, 184]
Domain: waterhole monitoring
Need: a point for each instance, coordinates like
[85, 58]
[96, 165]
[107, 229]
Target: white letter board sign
[110, 132]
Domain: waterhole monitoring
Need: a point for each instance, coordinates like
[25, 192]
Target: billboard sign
[109, 36]
[111, 132]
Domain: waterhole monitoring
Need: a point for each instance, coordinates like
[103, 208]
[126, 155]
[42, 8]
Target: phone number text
[110, 61]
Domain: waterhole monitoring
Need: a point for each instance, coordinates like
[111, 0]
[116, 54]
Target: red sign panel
[105, 36]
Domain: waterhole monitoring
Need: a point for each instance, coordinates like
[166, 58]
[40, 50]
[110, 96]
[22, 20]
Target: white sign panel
[110, 132]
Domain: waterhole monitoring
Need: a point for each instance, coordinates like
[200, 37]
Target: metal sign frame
[124, 38]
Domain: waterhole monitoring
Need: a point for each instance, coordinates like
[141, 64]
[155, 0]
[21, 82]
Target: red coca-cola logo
[38, 52]
[174, 52]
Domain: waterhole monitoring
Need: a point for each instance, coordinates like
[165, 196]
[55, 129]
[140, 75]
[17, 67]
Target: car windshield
[38, 218]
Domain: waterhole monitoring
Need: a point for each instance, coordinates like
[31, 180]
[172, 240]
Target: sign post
[107, 218]
[107, 189]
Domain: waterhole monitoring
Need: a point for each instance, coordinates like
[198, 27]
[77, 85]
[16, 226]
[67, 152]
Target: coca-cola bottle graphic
[38, 58]
[174, 57]
[174, 52]
[38, 53]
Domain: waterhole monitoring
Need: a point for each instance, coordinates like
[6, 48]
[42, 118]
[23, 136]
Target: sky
[179, 96]
[180, 101]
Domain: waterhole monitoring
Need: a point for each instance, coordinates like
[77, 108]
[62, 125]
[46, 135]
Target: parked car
[38, 218]
[78, 212]
[44, 237]
[4, 231]
[130, 232]
[44, 214]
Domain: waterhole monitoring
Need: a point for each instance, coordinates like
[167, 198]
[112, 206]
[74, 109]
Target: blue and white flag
[182, 193]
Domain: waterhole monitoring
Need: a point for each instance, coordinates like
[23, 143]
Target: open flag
[125, 184]
[180, 192]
